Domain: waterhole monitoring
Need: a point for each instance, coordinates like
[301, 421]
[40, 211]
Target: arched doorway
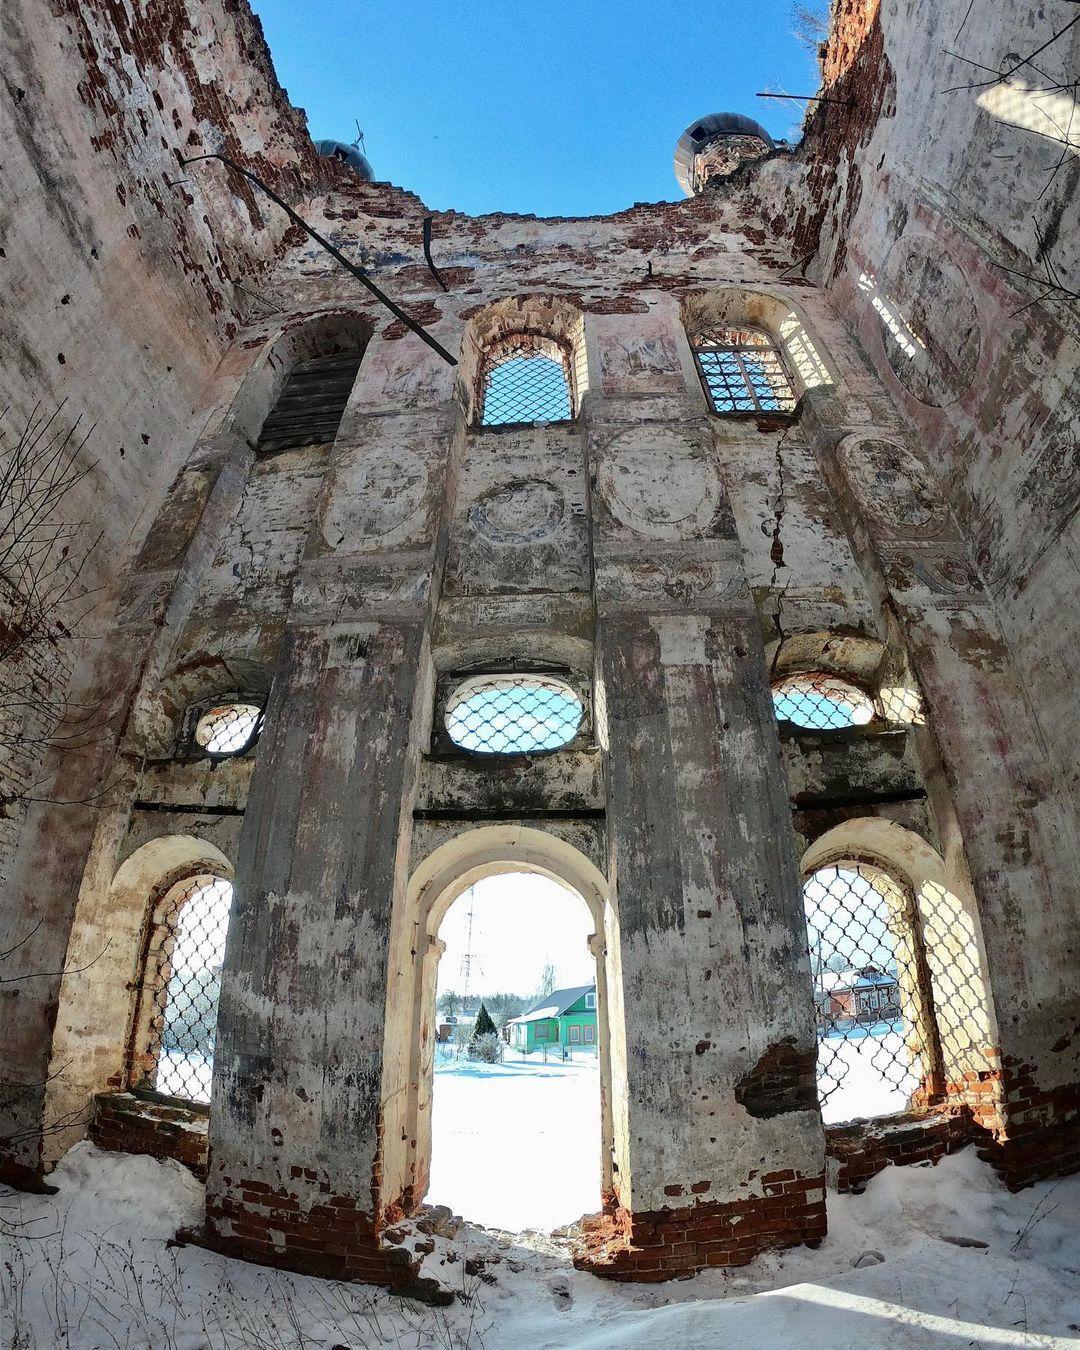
[409, 1050]
[516, 1084]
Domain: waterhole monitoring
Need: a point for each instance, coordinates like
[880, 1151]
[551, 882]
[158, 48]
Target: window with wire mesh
[527, 381]
[869, 991]
[181, 984]
[816, 701]
[228, 728]
[743, 372]
[513, 714]
[229, 725]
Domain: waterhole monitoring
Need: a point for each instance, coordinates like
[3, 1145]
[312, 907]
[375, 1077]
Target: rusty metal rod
[810, 98]
[358, 272]
[427, 253]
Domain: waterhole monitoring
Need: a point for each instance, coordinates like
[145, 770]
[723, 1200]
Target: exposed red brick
[662, 1244]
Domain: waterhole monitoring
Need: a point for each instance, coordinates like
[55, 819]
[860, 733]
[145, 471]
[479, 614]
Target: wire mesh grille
[182, 977]
[954, 966]
[513, 714]
[228, 728]
[743, 372]
[867, 992]
[821, 702]
[900, 703]
[523, 385]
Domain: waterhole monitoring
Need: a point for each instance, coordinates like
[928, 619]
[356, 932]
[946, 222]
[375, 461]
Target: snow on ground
[89, 1268]
[517, 1144]
[864, 1072]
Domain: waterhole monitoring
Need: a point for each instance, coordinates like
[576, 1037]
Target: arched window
[817, 701]
[312, 403]
[220, 728]
[743, 372]
[878, 1047]
[179, 985]
[526, 379]
[513, 714]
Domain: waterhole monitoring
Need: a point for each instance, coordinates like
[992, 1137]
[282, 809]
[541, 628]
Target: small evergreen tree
[488, 1049]
[486, 1044]
[484, 1026]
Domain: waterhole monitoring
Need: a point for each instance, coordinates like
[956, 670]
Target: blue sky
[519, 923]
[558, 107]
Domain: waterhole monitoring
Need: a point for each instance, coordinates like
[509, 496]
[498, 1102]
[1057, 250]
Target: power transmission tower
[470, 964]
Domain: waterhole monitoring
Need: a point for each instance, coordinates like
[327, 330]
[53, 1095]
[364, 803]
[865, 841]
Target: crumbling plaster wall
[941, 194]
[125, 278]
[945, 185]
[359, 573]
[496, 597]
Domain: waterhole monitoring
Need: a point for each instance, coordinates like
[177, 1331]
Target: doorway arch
[409, 1047]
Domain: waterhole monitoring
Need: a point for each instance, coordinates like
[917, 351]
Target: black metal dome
[350, 155]
[706, 130]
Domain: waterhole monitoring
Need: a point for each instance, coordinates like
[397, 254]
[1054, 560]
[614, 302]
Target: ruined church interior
[717, 559]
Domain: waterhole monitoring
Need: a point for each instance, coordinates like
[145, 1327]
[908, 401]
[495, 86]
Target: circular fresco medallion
[895, 488]
[374, 495]
[524, 512]
[659, 485]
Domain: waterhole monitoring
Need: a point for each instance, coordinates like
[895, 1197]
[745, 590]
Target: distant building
[845, 997]
[563, 1018]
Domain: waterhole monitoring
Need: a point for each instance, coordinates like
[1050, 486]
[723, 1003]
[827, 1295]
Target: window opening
[181, 984]
[513, 714]
[228, 728]
[524, 384]
[820, 702]
[743, 372]
[516, 1056]
[312, 403]
[871, 992]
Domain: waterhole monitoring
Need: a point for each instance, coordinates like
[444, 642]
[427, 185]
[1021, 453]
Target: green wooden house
[565, 1018]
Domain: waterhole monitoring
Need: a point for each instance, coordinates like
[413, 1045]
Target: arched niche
[97, 992]
[300, 338]
[552, 320]
[951, 934]
[408, 1054]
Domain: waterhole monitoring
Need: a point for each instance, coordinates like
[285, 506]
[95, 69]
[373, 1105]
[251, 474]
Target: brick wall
[862, 1150]
[128, 1124]
[1041, 1135]
[309, 1228]
[656, 1246]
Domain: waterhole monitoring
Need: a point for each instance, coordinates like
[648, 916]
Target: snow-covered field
[89, 1268]
[869, 1074]
[517, 1145]
[185, 1074]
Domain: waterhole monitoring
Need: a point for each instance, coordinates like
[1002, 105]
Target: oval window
[228, 728]
[513, 714]
[821, 702]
